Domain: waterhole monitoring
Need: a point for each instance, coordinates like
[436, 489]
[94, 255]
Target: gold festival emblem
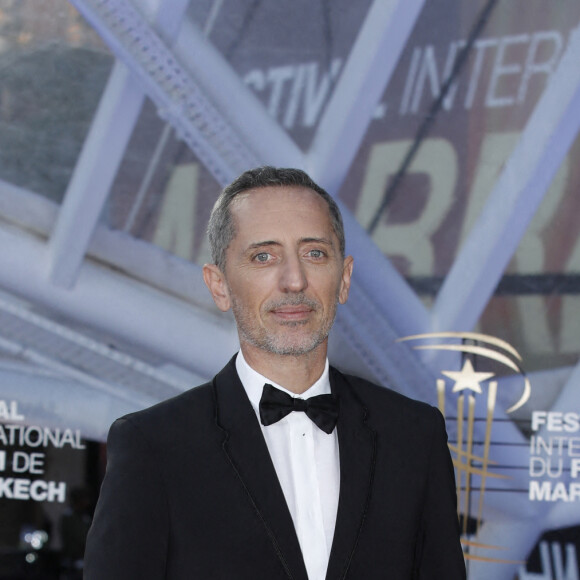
[467, 385]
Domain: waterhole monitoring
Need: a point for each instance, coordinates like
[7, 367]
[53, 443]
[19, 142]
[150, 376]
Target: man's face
[284, 273]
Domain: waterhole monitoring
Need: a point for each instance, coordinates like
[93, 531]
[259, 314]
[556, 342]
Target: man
[281, 467]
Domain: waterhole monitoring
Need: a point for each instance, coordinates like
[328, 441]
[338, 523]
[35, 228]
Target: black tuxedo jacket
[191, 493]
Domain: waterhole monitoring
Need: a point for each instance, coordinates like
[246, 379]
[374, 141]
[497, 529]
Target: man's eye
[262, 257]
[316, 253]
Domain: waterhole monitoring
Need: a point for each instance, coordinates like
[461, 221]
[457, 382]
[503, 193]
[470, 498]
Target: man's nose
[293, 276]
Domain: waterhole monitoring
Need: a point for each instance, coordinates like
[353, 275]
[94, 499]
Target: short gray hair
[221, 228]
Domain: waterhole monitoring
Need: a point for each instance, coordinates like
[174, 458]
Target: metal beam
[81, 406]
[180, 100]
[100, 158]
[93, 176]
[543, 144]
[24, 207]
[363, 81]
[178, 331]
[137, 258]
[245, 114]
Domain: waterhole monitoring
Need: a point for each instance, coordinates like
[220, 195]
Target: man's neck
[295, 373]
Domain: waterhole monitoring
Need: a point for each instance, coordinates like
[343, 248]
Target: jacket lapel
[357, 449]
[248, 455]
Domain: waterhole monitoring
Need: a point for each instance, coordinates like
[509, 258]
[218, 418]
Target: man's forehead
[272, 197]
[276, 192]
[265, 210]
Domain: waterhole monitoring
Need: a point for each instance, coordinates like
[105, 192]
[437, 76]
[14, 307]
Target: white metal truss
[195, 99]
[136, 258]
[543, 144]
[179, 98]
[93, 175]
[25, 332]
[244, 115]
[100, 158]
[361, 85]
[103, 298]
[52, 398]
[524, 181]
[377, 275]
[55, 371]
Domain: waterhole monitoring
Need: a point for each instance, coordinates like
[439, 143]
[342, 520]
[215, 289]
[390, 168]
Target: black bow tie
[276, 404]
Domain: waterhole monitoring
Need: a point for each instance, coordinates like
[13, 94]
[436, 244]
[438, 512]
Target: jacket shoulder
[199, 395]
[380, 401]
[164, 423]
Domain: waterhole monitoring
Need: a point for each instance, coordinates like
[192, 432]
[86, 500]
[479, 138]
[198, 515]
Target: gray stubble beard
[273, 343]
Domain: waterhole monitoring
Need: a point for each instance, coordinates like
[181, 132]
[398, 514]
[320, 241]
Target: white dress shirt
[307, 464]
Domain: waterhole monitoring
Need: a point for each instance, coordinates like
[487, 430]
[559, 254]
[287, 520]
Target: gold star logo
[467, 378]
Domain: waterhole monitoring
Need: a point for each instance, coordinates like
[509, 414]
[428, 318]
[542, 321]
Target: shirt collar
[253, 383]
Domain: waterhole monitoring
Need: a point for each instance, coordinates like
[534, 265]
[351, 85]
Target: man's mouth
[292, 313]
[298, 309]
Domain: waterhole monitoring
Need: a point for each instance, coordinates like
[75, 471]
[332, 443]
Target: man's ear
[216, 282]
[345, 279]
